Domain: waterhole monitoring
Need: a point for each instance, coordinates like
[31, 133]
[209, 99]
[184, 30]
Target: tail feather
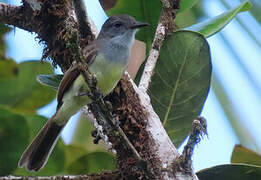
[37, 153]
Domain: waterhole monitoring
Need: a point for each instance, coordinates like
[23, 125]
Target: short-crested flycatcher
[108, 57]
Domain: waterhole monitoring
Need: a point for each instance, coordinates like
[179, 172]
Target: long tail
[37, 153]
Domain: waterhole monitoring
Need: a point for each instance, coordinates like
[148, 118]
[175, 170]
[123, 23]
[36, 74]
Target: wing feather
[90, 52]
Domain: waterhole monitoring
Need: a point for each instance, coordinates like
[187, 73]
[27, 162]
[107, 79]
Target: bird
[107, 57]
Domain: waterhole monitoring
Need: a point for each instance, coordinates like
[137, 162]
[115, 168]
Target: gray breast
[116, 53]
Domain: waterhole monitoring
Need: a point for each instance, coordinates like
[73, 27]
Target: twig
[199, 129]
[165, 27]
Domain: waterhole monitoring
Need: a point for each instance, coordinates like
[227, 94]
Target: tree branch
[160, 148]
[165, 27]
[199, 129]
[16, 16]
[106, 175]
[84, 25]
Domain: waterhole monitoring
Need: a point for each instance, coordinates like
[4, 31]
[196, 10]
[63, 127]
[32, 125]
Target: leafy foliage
[3, 30]
[22, 92]
[74, 152]
[213, 25]
[12, 139]
[181, 82]
[87, 163]
[9, 68]
[186, 5]
[83, 138]
[245, 165]
[52, 80]
[246, 156]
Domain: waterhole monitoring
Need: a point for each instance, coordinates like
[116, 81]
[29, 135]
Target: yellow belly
[108, 74]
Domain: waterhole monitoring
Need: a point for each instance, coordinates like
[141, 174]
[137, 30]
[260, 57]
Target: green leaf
[82, 136]
[181, 82]
[36, 122]
[9, 68]
[74, 152]
[92, 162]
[14, 135]
[82, 133]
[246, 156]
[186, 4]
[3, 30]
[24, 93]
[142, 10]
[186, 19]
[52, 80]
[215, 24]
[231, 172]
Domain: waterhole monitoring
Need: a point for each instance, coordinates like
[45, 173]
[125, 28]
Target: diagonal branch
[84, 25]
[18, 16]
[165, 27]
[157, 146]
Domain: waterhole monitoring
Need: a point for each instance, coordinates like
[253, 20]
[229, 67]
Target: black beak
[138, 24]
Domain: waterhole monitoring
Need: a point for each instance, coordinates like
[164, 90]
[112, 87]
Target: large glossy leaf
[181, 82]
[14, 135]
[231, 172]
[92, 162]
[142, 10]
[56, 162]
[245, 155]
[52, 80]
[24, 93]
[215, 24]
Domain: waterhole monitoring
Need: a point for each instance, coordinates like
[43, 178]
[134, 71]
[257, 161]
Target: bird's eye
[117, 25]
